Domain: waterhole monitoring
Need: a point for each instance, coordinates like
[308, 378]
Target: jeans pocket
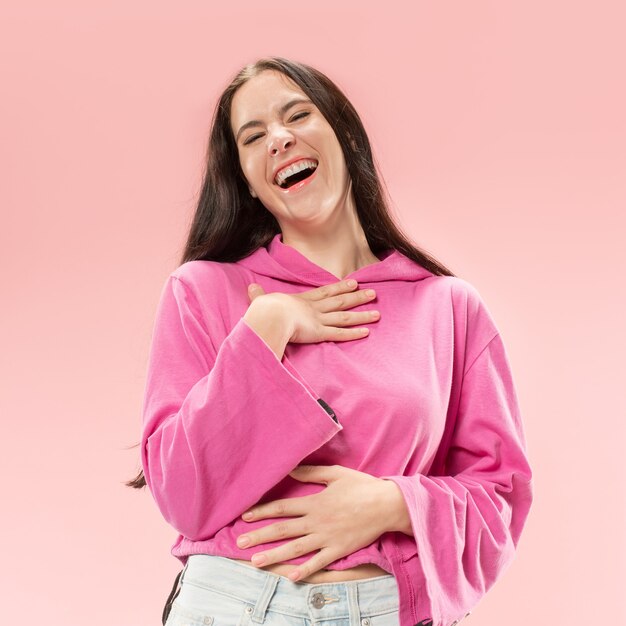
[382, 619]
[183, 616]
[200, 605]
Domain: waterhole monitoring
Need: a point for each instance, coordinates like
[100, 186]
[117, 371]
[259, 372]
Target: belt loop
[353, 602]
[262, 602]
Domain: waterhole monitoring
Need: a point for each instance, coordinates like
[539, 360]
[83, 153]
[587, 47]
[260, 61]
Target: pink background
[500, 131]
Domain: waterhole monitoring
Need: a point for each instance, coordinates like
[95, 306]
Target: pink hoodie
[426, 400]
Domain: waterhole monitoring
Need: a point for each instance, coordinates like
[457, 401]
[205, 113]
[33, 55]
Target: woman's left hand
[352, 512]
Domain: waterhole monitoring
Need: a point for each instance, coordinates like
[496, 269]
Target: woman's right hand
[321, 314]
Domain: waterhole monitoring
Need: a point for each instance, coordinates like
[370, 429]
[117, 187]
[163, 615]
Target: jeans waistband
[315, 601]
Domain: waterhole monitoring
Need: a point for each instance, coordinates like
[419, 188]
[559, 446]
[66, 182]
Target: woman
[372, 428]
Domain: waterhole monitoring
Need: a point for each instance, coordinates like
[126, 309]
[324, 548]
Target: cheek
[250, 173]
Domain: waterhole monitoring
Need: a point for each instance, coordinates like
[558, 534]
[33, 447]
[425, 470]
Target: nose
[280, 140]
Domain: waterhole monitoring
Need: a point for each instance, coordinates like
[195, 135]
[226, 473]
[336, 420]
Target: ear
[252, 192]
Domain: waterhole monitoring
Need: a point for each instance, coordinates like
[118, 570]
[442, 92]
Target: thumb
[255, 290]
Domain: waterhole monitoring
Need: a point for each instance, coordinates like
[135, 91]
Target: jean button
[317, 600]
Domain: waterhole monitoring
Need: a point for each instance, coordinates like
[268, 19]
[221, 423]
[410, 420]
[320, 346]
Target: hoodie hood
[283, 262]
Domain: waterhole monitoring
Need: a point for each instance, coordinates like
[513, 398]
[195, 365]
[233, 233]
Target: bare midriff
[367, 570]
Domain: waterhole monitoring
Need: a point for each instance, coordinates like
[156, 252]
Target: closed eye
[297, 116]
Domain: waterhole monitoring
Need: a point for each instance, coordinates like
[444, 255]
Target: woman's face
[281, 134]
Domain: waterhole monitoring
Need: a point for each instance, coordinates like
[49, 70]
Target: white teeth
[292, 169]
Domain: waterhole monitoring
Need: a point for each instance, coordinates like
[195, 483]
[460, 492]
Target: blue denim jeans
[216, 591]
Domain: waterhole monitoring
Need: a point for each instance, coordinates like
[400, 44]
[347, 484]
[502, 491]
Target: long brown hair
[229, 223]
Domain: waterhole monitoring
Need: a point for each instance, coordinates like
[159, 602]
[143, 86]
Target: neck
[339, 251]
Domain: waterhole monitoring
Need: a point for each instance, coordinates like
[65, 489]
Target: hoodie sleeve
[467, 523]
[221, 425]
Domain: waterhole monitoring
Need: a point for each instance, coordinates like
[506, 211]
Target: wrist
[396, 509]
[267, 317]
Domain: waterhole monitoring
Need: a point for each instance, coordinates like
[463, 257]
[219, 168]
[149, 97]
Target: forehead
[261, 94]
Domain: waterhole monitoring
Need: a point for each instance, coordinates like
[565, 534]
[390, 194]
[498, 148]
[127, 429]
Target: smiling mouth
[290, 181]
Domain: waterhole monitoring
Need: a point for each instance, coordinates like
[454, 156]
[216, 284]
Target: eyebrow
[282, 110]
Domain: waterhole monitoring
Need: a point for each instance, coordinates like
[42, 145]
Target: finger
[272, 532]
[314, 473]
[314, 564]
[291, 550]
[343, 301]
[326, 291]
[329, 333]
[339, 319]
[287, 507]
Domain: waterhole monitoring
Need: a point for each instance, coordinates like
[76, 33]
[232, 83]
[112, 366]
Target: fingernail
[351, 283]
